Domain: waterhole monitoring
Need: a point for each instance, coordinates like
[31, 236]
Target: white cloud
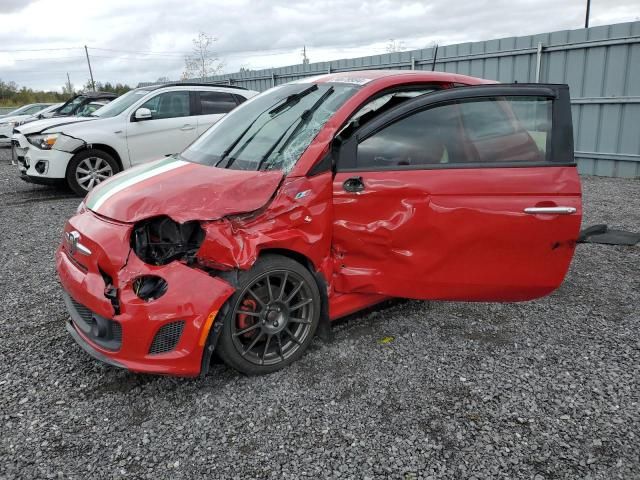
[258, 34]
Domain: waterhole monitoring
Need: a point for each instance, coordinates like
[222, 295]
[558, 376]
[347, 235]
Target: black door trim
[561, 153]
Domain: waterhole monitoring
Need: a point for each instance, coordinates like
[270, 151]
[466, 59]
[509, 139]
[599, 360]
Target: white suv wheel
[92, 171]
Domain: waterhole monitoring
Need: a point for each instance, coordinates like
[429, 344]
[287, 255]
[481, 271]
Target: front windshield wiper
[227, 151]
[293, 99]
[290, 100]
[305, 117]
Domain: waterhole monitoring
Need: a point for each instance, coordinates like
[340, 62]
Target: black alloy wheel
[273, 316]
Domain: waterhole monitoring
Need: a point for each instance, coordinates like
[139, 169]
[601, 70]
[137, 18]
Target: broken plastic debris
[385, 340]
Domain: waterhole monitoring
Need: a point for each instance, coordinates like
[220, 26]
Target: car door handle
[187, 127]
[550, 210]
[353, 185]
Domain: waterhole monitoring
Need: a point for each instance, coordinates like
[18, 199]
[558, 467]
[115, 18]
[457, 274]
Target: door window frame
[560, 144]
[143, 101]
[329, 161]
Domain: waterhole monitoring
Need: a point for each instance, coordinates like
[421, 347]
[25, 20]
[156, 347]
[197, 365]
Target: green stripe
[104, 190]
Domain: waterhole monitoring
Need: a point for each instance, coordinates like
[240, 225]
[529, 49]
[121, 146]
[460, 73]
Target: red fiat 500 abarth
[316, 199]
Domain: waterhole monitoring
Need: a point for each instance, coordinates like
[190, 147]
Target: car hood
[181, 190]
[13, 118]
[40, 126]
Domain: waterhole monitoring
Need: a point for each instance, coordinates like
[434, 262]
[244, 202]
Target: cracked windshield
[272, 130]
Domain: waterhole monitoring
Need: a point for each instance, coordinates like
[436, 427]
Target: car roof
[363, 77]
[191, 84]
[90, 94]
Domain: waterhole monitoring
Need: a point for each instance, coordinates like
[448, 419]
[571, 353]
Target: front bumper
[39, 166]
[193, 299]
[88, 348]
[5, 135]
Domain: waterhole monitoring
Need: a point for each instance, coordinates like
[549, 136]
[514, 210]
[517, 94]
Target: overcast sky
[255, 34]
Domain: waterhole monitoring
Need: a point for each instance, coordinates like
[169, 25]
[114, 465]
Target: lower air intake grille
[167, 337]
[105, 332]
[84, 312]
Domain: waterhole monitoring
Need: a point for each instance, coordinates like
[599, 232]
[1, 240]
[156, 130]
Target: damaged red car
[314, 200]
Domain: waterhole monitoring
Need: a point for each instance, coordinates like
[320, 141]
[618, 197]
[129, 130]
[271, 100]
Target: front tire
[272, 318]
[90, 168]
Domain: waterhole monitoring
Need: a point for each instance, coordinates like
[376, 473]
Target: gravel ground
[536, 390]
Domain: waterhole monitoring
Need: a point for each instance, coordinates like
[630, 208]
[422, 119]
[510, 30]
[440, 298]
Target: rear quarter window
[216, 102]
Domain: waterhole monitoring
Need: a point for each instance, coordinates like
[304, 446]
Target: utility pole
[93, 84]
[435, 57]
[69, 84]
[305, 59]
[586, 18]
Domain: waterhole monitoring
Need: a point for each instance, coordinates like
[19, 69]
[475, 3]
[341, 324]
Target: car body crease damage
[291, 222]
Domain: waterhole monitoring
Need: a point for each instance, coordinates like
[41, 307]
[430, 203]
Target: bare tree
[203, 62]
[394, 46]
[67, 88]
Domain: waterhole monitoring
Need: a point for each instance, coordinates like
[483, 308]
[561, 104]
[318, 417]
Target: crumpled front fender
[298, 220]
[66, 143]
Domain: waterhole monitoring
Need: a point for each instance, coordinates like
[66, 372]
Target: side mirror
[143, 114]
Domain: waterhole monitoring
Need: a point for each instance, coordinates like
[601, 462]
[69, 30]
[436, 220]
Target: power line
[39, 72]
[45, 59]
[122, 57]
[42, 49]
[66, 58]
[175, 53]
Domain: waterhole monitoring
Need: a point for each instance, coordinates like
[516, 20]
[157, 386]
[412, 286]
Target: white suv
[144, 124]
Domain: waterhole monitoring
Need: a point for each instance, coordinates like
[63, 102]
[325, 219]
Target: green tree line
[13, 95]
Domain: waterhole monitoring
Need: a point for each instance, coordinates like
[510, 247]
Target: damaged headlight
[43, 142]
[160, 240]
[58, 140]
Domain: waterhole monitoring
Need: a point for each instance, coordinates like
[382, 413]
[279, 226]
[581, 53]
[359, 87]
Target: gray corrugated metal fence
[601, 65]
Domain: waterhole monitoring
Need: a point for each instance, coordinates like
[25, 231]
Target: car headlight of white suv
[43, 142]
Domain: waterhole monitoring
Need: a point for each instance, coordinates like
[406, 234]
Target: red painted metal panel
[458, 234]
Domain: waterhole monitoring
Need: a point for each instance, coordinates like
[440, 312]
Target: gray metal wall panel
[600, 64]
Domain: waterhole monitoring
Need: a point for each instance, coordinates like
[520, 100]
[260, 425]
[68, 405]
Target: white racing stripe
[137, 179]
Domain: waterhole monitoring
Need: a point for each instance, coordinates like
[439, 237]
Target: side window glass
[425, 138]
[533, 114]
[487, 130]
[485, 119]
[168, 105]
[216, 102]
[507, 129]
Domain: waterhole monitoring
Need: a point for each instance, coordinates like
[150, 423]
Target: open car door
[471, 193]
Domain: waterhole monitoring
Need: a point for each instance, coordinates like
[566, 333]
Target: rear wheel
[90, 168]
[272, 316]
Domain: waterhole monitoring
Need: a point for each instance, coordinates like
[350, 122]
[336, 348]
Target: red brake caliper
[246, 321]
